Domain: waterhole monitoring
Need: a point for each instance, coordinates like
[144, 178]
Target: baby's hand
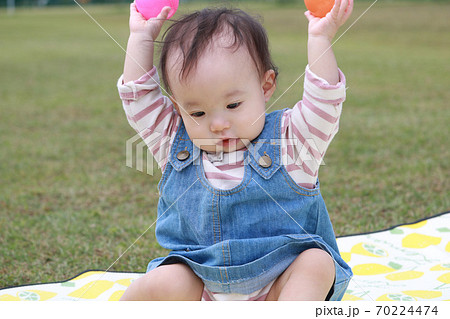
[328, 25]
[150, 28]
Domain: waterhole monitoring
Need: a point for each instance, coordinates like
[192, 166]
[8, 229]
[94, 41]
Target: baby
[240, 206]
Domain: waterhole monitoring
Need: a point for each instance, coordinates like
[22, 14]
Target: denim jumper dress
[238, 240]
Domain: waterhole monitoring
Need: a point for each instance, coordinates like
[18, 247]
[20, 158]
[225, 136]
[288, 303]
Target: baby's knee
[172, 282]
[154, 285]
[318, 262]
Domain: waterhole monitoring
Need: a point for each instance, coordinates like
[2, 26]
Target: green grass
[68, 202]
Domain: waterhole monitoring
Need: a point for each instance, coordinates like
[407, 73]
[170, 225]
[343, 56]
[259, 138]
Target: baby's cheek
[194, 128]
[196, 136]
[256, 124]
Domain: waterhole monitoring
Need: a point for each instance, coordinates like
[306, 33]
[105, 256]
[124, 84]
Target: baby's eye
[197, 114]
[233, 105]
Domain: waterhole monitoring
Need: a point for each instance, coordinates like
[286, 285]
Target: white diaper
[258, 295]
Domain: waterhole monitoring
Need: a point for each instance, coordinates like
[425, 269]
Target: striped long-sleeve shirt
[307, 129]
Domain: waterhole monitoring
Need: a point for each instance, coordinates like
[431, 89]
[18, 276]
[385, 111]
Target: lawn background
[69, 203]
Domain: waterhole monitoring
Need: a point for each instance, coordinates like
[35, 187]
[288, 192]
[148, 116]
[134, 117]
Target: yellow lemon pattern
[92, 290]
[416, 225]
[7, 297]
[346, 256]
[423, 294]
[42, 295]
[349, 297]
[371, 269]
[87, 274]
[419, 241]
[440, 267]
[445, 278]
[368, 250]
[406, 263]
[125, 282]
[116, 295]
[395, 297]
[405, 275]
[95, 285]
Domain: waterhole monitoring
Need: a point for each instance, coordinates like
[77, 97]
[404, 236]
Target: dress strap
[183, 151]
[264, 153]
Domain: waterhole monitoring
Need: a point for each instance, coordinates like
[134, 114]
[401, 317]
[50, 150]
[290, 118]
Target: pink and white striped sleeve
[309, 127]
[150, 114]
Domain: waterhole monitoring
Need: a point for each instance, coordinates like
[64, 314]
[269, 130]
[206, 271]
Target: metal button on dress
[183, 155]
[265, 161]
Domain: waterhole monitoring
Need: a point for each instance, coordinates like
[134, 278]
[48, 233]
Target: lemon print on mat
[423, 294]
[28, 296]
[405, 275]
[440, 267]
[371, 269]
[8, 297]
[420, 241]
[124, 282]
[395, 297]
[445, 278]
[416, 225]
[447, 248]
[368, 250]
[35, 295]
[346, 256]
[87, 274]
[349, 297]
[116, 295]
[92, 290]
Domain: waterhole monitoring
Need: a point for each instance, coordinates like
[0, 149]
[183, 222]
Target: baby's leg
[168, 282]
[309, 277]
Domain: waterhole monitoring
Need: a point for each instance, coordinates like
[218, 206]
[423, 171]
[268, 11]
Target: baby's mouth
[226, 142]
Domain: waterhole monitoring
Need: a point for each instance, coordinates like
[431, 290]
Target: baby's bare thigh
[173, 282]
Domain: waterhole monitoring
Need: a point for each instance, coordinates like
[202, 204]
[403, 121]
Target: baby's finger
[164, 13]
[134, 11]
[309, 16]
[133, 7]
[348, 11]
[342, 7]
[135, 15]
[335, 10]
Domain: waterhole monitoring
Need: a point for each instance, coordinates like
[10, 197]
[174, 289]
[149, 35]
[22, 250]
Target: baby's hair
[193, 33]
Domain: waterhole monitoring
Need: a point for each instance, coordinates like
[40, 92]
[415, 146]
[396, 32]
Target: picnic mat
[405, 263]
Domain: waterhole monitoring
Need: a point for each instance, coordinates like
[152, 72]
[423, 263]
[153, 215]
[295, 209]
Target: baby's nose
[219, 124]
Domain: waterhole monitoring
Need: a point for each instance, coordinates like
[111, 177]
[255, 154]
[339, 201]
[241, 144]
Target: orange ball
[319, 8]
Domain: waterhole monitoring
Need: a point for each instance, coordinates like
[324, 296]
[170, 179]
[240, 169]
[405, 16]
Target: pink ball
[151, 8]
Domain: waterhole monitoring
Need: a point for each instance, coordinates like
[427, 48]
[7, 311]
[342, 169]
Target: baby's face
[222, 101]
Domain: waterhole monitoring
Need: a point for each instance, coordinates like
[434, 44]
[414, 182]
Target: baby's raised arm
[139, 57]
[321, 31]
[314, 121]
[149, 112]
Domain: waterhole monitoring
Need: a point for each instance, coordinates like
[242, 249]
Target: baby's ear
[269, 84]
